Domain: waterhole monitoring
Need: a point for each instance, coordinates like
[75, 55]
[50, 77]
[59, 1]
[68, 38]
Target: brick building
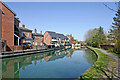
[26, 34]
[55, 38]
[70, 37]
[111, 39]
[38, 38]
[11, 36]
[7, 26]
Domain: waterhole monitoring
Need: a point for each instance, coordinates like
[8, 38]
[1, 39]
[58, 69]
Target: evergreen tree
[99, 38]
[116, 31]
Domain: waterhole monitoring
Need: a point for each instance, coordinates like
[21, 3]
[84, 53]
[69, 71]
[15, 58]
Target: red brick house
[10, 29]
[54, 38]
[7, 25]
[26, 34]
[38, 38]
[70, 37]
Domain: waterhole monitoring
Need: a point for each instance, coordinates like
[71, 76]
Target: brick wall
[18, 47]
[25, 34]
[47, 38]
[38, 41]
[7, 27]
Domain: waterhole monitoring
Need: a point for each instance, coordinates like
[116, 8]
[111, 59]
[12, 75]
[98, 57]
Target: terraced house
[26, 34]
[70, 37]
[55, 38]
[9, 32]
[37, 38]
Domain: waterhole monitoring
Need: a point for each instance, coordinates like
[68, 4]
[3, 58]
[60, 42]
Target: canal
[55, 64]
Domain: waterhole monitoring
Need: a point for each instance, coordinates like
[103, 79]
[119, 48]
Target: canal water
[55, 64]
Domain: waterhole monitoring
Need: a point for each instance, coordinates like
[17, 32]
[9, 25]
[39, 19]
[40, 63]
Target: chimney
[23, 26]
[35, 31]
[40, 32]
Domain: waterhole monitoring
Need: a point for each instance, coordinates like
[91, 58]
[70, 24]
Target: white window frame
[35, 43]
[28, 34]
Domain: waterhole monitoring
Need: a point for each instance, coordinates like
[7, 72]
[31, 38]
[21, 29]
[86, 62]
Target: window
[35, 43]
[21, 33]
[27, 34]
[53, 38]
[28, 41]
[45, 37]
[41, 43]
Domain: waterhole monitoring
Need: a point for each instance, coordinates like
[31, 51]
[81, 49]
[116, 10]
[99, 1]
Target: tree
[116, 31]
[95, 41]
[89, 36]
[96, 37]
[101, 36]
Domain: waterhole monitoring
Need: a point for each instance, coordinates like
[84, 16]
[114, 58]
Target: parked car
[27, 45]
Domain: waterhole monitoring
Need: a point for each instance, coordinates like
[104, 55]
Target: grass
[104, 67]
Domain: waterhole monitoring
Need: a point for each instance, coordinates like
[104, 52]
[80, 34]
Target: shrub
[117, 46]
[95, 44]
[44, 44]
[110, 50]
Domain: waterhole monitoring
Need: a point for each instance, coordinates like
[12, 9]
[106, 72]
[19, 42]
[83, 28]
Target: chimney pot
[23, 26]
[35, 30]
[40, 32]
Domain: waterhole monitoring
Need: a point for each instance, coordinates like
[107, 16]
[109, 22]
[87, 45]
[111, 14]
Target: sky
[74, 18]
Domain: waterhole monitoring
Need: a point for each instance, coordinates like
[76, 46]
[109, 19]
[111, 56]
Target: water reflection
[11, 66]
[91, 58]
[48, 65]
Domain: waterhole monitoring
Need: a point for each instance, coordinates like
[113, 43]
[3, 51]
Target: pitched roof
[58, 35]
[8, 8]
[37, 34]
[25, 29]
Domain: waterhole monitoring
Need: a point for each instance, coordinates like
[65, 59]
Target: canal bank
[27, 52]
[104, 67]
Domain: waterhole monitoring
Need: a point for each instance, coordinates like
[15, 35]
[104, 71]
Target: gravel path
[116, 58]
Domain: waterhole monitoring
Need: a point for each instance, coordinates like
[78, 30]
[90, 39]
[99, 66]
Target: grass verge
[104, 67]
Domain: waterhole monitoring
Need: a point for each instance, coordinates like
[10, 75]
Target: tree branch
[109, 7]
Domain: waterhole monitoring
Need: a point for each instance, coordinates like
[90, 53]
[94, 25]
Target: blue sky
[74, 18]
